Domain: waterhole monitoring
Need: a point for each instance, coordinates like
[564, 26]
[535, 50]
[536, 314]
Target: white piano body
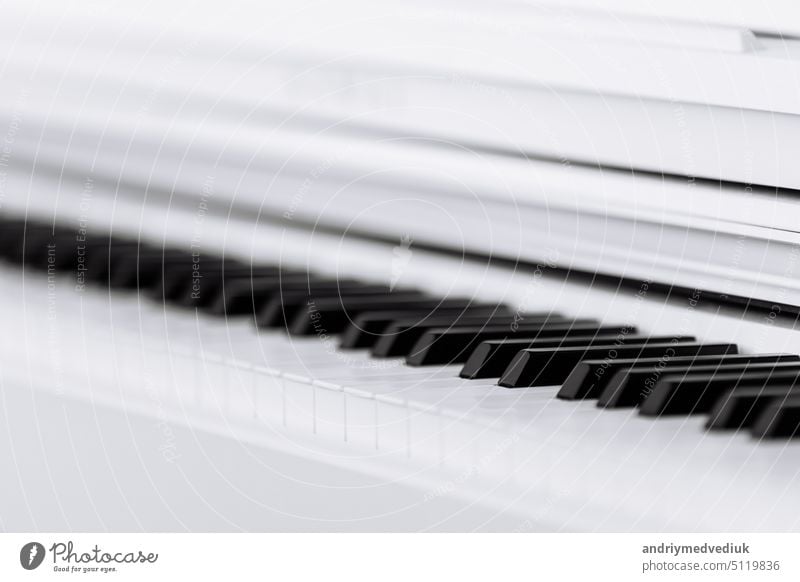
[589, 137]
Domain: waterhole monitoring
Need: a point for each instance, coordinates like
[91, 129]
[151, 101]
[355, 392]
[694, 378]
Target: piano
[400, 266]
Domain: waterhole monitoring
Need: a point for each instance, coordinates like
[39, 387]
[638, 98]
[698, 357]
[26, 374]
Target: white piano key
[362, 420]
[330, 415]
[426, 436]
[299, 403]
[268, 392]
[461, 439]
[394, 425]
[241, 399]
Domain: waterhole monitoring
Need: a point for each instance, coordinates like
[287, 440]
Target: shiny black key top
[248, 297]
[41, 246]
[488, 368]
[696, 393]
[212, 285]
[440, 346]
[552, 367]
[177, 282]
[15, 235]
[740, 407]
[591, 378]
[779, 419]
[144, 267]
[629, 387]
[87, 246]
[282, 307]
[207, 288]
[492, 357]
[400, 337]
[12, 231]
[198, 284]
[58, 251]
[105, 253]
[368, 328]
[87, 249]
[335, 314]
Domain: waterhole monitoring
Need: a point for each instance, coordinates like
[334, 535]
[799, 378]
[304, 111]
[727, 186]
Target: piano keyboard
[522, 391]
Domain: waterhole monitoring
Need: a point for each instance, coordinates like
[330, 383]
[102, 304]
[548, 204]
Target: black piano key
[39, 245]
[177, 281]
[400, 337]
[105, 252]
[143, 267]
[85, 250]
[282, 307]
[741, 406]
[368, 328]
[697, 393]
[779, 419]
[13, 237]
[201, 282]
[57, 250]
[43, 247]
[552, 367]
[334, 314]
[555, 343]
[12, 230]
[203, 291]
[198, 284]
[629, 387]
[491, 358]
[441, 346]
[590, 378]
[248, 296]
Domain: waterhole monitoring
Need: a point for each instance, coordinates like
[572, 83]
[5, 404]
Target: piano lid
[774, 17]
[700, 92]
[508, 115]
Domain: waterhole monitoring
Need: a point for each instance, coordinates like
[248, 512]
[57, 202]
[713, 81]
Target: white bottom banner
[400, 557]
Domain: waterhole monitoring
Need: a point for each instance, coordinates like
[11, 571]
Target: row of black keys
[664, 375]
